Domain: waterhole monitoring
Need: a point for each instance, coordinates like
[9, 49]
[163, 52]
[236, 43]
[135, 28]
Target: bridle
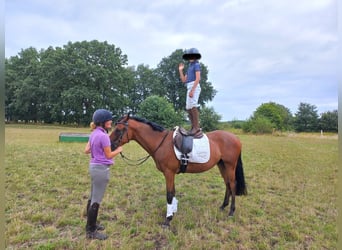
[122, 132]
[141, 160]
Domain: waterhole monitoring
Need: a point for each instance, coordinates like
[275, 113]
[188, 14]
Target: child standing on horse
[192, 81]
[99, 147]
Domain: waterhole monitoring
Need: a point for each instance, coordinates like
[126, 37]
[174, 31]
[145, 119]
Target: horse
[225, 152]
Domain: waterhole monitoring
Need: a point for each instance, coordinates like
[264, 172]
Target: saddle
[184, 144]
[182, 141]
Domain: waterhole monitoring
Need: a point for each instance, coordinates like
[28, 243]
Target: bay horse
[225, 152]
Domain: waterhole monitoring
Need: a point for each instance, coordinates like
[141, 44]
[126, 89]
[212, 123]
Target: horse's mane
[153, 125]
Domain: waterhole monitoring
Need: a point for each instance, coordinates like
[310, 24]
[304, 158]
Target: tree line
[65, 85]
[272, 116]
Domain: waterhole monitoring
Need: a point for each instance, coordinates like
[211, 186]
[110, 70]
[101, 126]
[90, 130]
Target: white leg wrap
[169, 211]
[174, 204]
[172, 208]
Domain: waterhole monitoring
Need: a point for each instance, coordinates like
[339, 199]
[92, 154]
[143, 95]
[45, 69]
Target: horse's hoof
[231, 212]
[166, 224]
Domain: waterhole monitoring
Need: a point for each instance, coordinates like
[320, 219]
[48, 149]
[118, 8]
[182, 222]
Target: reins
[128, 160]
[143, 159]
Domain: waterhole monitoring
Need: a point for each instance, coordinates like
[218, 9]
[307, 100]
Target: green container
[73, 137]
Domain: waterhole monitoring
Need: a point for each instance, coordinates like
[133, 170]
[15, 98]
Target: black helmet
[101, 116]
[192, 53]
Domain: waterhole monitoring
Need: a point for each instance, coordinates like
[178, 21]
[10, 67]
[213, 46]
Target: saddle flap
[183, 143]
[187, 143]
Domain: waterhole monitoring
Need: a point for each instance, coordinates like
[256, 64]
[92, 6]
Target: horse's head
[117, 137]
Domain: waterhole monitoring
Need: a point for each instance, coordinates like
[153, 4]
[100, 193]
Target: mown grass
[292, 183]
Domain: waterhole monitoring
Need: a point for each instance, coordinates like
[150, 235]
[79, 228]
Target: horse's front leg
[172, 202]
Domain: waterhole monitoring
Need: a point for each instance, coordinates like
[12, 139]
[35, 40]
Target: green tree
[146, 83]
[258, 125]
[55, 80]
[306, 118]
[328, 121]
[68, 84]
[97, 70]
[209, 119]
[278, 115]
[159, 110]
[11, 84]
[22, 88]
[268, 117]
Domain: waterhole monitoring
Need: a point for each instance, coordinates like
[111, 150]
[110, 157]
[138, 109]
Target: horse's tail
[241, 188]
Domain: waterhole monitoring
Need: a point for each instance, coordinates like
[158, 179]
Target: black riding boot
[99, 227]
[91, 230]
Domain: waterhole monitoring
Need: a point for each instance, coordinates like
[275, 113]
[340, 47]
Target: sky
[282, 51]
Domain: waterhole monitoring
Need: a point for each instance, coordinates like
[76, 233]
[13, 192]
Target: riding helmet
[192, 53]
[102, 115]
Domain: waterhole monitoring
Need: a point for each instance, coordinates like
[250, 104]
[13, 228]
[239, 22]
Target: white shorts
[192, 102]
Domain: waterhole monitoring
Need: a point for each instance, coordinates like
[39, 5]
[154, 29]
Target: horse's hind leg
[228, 173]
[226, 199]
[232, 188]
[225, 178]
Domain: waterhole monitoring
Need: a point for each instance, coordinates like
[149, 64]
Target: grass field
[291, 204]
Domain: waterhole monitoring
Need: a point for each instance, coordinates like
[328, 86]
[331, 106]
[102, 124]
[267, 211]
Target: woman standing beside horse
[99, 147]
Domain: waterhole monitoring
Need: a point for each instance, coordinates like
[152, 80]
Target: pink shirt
[98, 140]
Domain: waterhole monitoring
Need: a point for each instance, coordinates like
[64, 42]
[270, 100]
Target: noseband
[122, 132]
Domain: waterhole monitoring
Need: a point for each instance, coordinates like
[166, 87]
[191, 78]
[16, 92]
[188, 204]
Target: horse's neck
[148, 139]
